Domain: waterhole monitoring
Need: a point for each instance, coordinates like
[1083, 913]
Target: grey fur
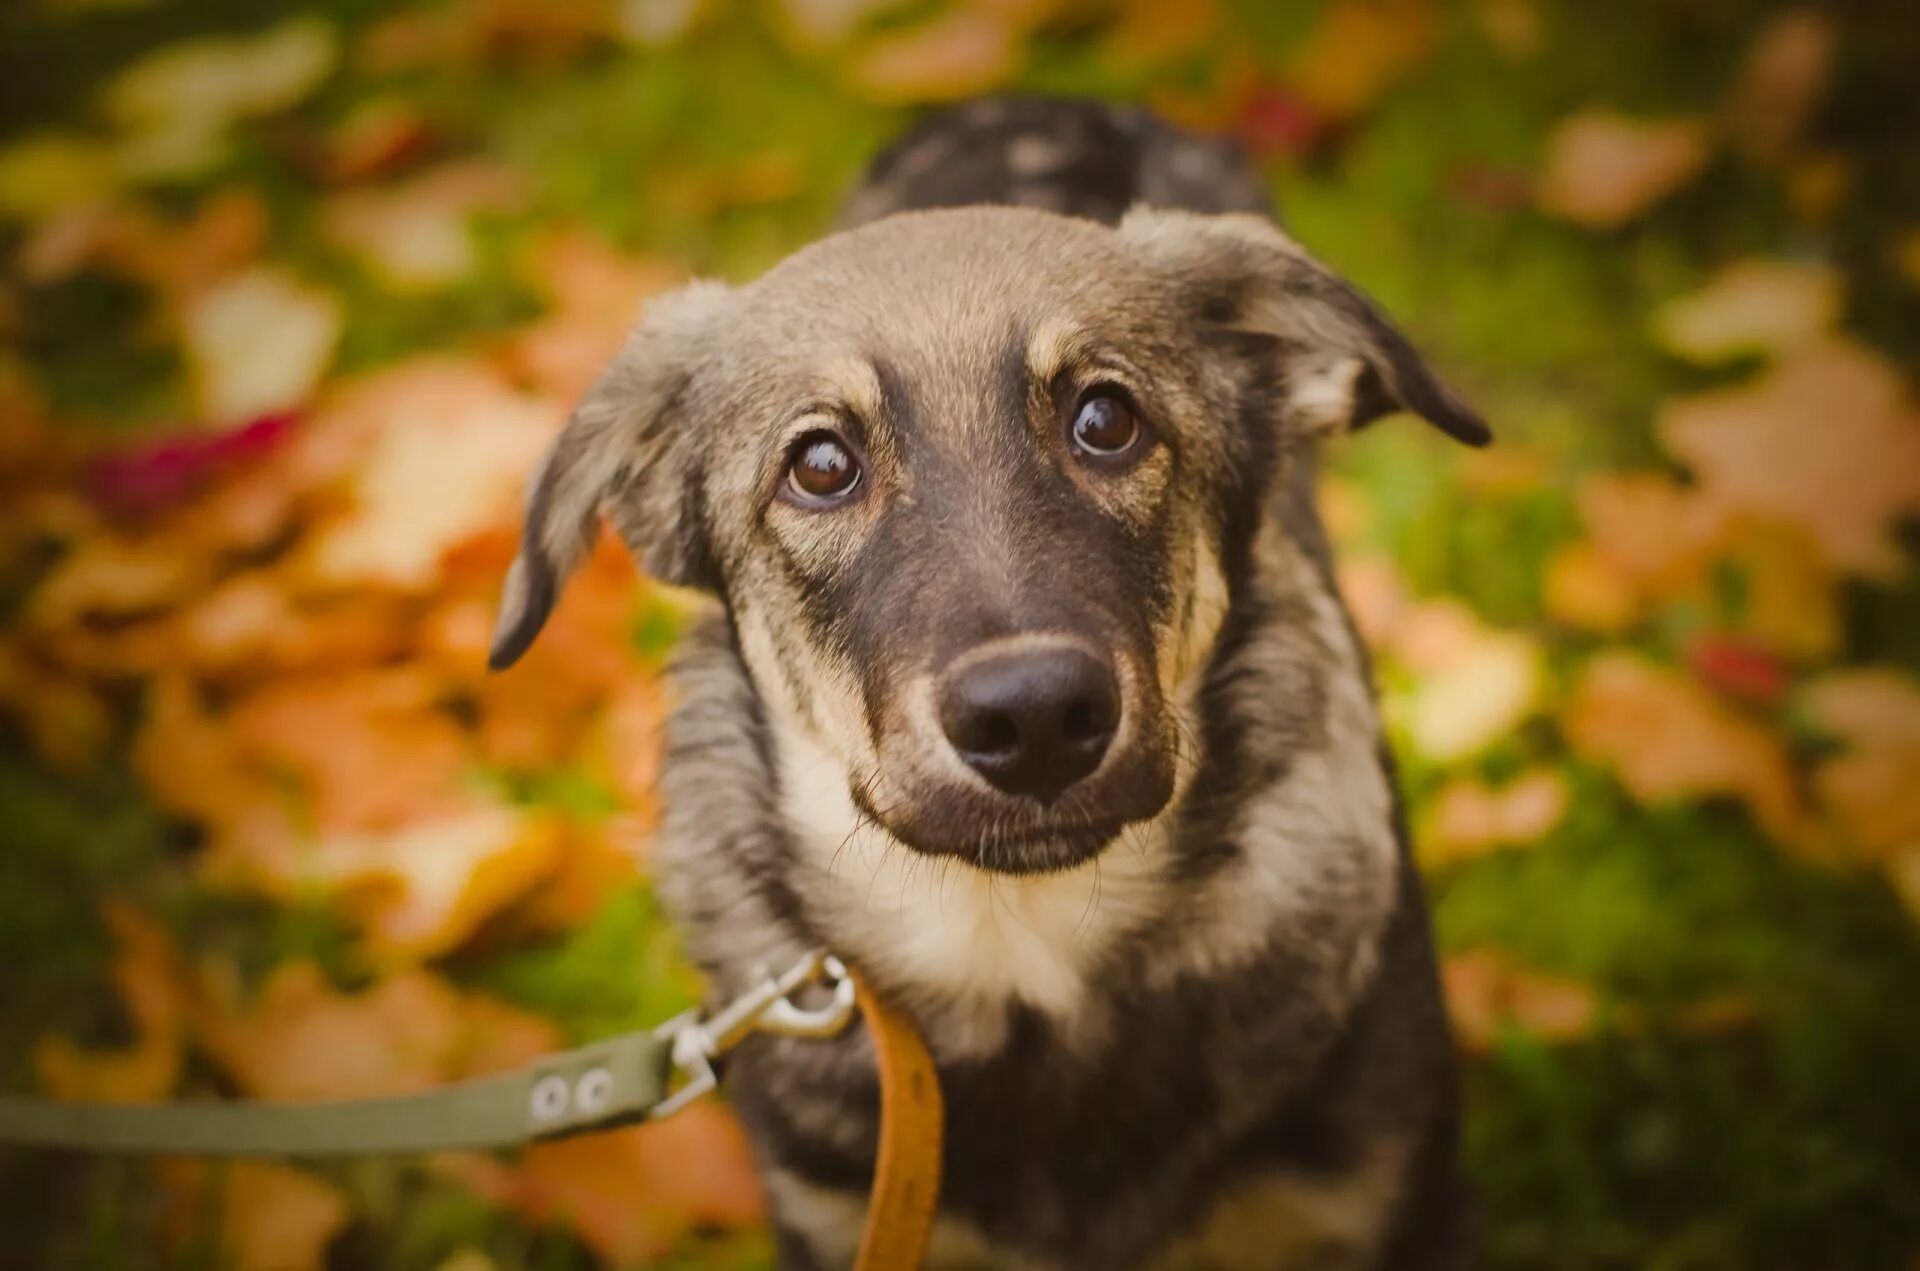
[1206, 1035]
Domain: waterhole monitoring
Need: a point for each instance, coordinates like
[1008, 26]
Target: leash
[634, 1077]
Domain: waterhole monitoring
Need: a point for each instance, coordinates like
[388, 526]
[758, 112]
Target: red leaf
[1737, 668]
[146, 478]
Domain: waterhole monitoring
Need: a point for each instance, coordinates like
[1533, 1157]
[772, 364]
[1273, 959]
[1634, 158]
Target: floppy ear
[1345, 363]
[628, 453]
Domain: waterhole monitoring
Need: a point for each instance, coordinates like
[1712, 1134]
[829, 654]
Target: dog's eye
[1105, 427]
[821, 469]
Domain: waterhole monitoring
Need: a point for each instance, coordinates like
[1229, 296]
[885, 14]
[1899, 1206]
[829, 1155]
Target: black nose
[1031, 722]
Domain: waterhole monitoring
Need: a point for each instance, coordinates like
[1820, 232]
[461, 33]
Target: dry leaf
[1604, 169]
[1792, 598]
[1468, 818]
[959, 54]
[451, 448]
[1589, 590]
[692, 1171]
[1665, 738]
[300, 1038]
[1656, 533]
[1488, 994]
[596, 296]
[66, 720]
[214, 80]
[1781, 85]
[1356, 51]
[416, 235]
[1873, 786]
[270, 1217]
[1826, 440]
[258, 343]
[152, 982]
[1474, 684]
[52, 172]
[1754, 306]
[113, 577]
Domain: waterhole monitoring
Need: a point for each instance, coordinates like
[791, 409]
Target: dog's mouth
[1014, 842]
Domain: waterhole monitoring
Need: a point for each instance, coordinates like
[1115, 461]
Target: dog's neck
[1281, 831]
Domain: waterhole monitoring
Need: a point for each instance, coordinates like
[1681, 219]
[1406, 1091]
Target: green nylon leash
[597, 1087]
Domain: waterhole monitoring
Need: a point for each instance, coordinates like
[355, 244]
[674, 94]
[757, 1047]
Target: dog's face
[974, 486]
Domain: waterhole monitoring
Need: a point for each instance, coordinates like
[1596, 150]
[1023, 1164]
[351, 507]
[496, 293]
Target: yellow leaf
[1755, 306]
[1477, 696]
[257, 344]
[1665, 737]
[53, 172]
[1826, 441]
[1589, 590]
[1604, 169]
[1872, 787]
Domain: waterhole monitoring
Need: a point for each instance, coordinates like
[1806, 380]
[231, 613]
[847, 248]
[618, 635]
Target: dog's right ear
[628, 453]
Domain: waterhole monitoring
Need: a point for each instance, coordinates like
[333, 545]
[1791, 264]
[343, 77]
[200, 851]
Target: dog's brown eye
[1105, 426]
[822, 468]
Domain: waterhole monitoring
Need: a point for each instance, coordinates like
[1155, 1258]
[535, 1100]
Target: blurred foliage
[1648, 664]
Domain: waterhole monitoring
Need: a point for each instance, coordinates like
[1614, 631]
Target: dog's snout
[1030, 721]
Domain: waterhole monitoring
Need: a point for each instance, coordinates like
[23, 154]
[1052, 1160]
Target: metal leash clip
[765, 1007]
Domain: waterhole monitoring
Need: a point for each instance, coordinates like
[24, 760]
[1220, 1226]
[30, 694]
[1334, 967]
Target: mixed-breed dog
[1028, 693]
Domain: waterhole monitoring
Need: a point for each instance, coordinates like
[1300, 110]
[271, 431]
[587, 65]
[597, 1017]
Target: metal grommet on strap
[549, 1099]
[593, 1092]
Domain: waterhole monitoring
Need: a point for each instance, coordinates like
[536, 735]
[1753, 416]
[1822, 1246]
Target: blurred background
[290, 297]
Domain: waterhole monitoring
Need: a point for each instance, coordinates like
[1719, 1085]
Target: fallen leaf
[51, 172]
[451, 448]
[269, 1217]
[1873, 786]
[379, 138]
[300, 1038]
[1658, 534]
[956, 55]
[66, 720]
[151, 979]
[257, 344]
[214, 80]
[1791, 600]
[112, 576]
[1667, 738]
[1751, 307]
[658, 23]
[595, 294]
[1488, 995]
[1356, 51]
[693, 1170]
[1586, 589]
[1512, 26]
[1474, 695]
[416, 235]
[1785, 76]
[1825, 440]
[1603, 169]
[145, 478]
[1736, 667]
[822, 22]
[1468, 818]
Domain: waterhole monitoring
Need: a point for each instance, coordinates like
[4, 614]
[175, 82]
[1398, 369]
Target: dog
[1026, 690]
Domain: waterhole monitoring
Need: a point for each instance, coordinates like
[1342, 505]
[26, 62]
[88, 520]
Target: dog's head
[973, 486]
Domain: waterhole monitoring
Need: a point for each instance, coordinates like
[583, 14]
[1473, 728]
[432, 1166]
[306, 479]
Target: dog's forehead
[939, 286]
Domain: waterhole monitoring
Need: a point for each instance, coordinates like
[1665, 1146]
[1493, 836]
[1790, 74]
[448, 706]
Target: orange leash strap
[906, 1177]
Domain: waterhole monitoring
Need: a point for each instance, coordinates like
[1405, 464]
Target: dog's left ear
[628, 452]
[1345, 363]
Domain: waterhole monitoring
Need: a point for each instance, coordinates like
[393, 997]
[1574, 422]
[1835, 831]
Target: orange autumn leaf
[1603, 169]
[630, 1194]
[1356, 51]
[1586, 589]
[1472, 684]
[367, 750]
[151, 980]
[1468, 818]
[1665, 737]
[1826, 440]
[300, 1038]
[451, 445]
[267, 1217]
[955, 55]
[67, 721]
[1781, 84]
[1488, 994]
[112, 577]
[1873, 786]
[595, 296]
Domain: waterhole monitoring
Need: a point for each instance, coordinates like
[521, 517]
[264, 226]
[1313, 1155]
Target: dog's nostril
[998, 734]
[1031, 721]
